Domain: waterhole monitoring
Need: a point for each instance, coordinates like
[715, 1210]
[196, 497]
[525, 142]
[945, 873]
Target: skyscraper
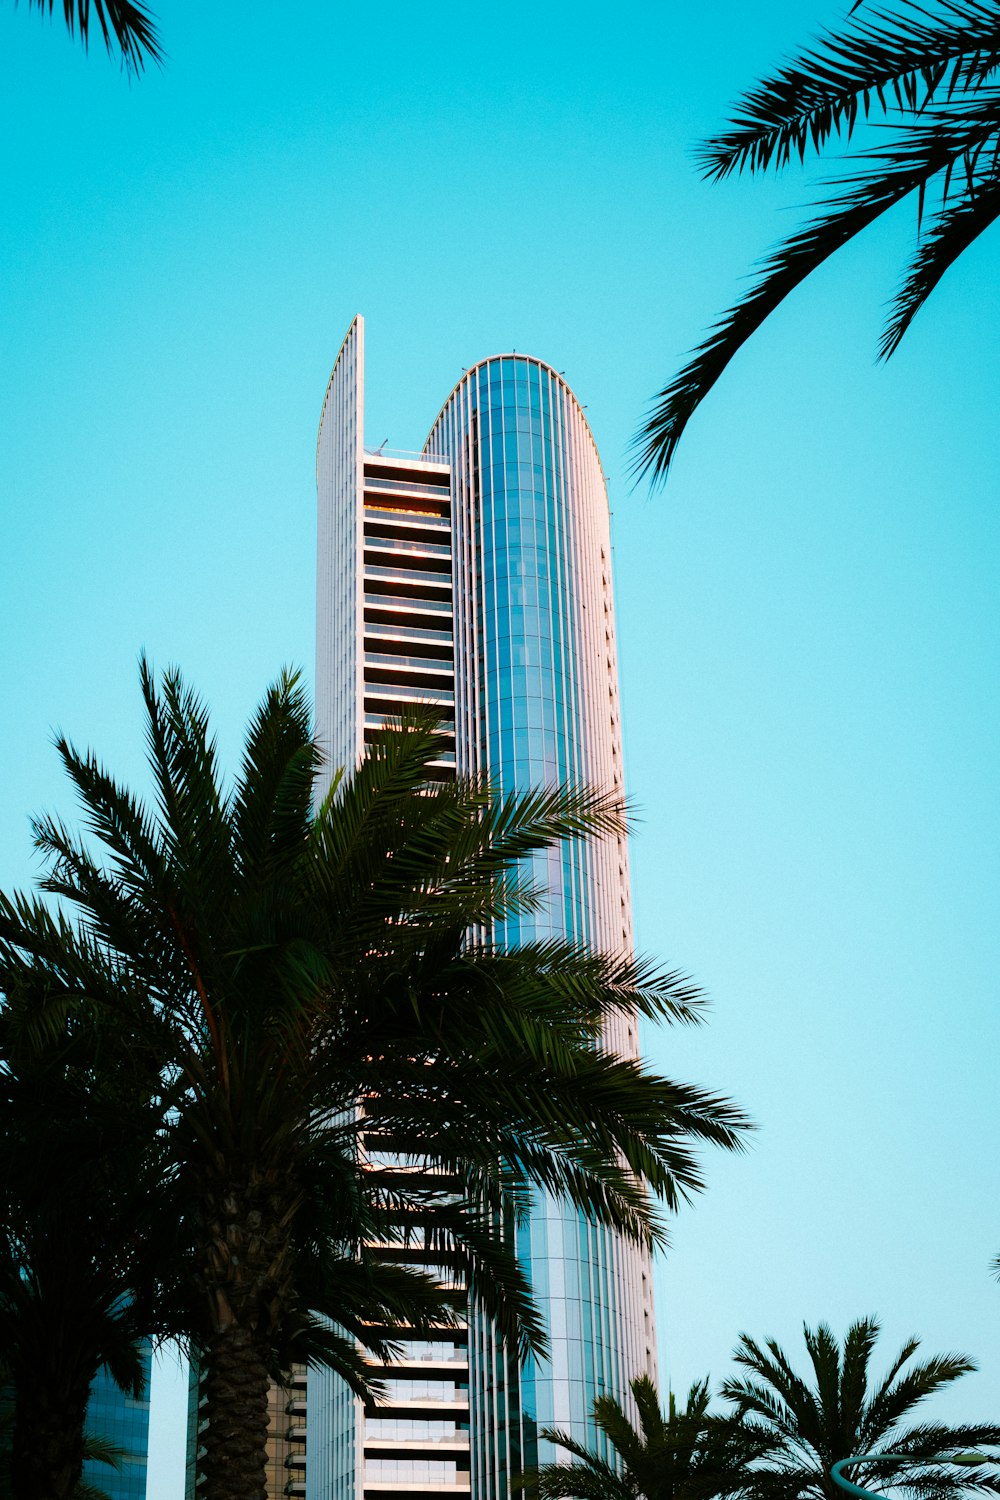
[476, 576]
[123, 1422]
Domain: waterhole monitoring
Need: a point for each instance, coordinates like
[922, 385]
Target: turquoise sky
[808, 614]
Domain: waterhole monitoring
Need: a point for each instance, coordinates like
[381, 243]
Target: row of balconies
[427, 1362]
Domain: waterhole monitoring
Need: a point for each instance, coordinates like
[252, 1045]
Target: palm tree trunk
[47, 1444]
[235, 1438]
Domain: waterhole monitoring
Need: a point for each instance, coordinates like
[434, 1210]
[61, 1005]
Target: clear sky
[808, 622]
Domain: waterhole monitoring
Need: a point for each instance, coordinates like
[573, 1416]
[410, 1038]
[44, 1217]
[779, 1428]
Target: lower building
[124, 1422]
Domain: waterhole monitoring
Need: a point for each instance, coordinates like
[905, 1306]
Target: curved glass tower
[477, 576]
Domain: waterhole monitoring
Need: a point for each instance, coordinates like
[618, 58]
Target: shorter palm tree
[95, 1449]
[844, 1411]
[85, 1232]
[684, 1453]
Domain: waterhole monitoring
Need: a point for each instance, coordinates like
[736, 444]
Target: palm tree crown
[844, 1411]
[931, 75]
[304, 980]
[681, 1454]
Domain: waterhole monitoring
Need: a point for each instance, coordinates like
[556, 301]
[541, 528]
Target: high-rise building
[123, 1422]
[476, 576]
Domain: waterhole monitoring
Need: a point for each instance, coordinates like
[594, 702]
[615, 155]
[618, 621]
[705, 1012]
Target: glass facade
[477, 576]
[537, 703]
[123, 1421]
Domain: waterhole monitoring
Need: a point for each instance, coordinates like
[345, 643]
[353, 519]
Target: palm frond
[271, 807]
[591, 1479]
[878, 1419]
[647, 1404]
[880, 59]
[112, 815]
[195, 827]
[913, 1387]
[953, 230]
[912, 160]
[629, 1444]
[852, 1394]
[125, 26]
[683, 1453]
[824, 1354]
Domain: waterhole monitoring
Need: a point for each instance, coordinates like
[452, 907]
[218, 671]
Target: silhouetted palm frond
[125, 26]
[896, 59]
[931, 77]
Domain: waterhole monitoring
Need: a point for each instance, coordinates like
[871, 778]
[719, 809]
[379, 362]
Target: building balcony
[377, 632]
[413, 1487]
[407, 546]
[408, 564]
[395, 607]
[455, 1366]
[406, 486]
[433, 665]
[412, 577]
[413, 1406]
[383, 691]
[459, 1443]
[382, 519]
[410, 459]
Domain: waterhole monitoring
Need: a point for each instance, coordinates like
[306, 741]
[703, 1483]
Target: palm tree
[85, 1228]
[126, 26]
[305, 979]
[930, 74]
[845, 1411]
[681, 1454]
[95, 1450]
